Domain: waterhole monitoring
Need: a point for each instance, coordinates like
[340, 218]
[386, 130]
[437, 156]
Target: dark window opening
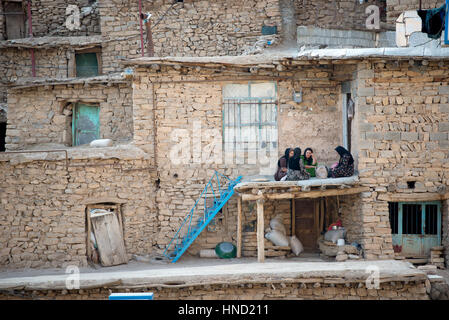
[411, 184]
[431, 226]
[2, 136]
[88, 63]
[14, 20]
[411, 218]
[393, 208]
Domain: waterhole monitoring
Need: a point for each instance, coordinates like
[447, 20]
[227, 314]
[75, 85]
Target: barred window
[250, 118]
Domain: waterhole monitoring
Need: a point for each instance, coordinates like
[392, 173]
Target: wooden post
[260, 231]
[293, 217]
[239, 227]
[322, 214]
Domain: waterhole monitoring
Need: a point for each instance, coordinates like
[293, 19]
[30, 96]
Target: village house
[211, 92]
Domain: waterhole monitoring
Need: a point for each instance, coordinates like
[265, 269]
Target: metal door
[416, 228]
[86, 124]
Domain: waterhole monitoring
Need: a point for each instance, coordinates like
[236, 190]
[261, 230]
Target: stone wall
[119, 20]
[399, 290]
[49, 17]
[202, 28]
[337, 14]
[181, 99]
[43, 221]
[396, 7]
[47, 120]
[403, 130]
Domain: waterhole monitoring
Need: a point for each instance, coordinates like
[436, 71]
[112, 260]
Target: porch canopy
[260, 189]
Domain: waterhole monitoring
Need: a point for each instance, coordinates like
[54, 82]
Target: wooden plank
[317, 218]
[293, 217]
[239, 227]
[406, 197]
[109, 238]
[305, 195]
[321, 216]
[260, 232]
[89, 230]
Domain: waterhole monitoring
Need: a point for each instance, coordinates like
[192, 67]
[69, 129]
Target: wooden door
[86, 124]
[109, 238]
[306, 229]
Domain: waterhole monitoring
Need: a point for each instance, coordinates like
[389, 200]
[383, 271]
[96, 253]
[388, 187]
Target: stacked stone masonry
[396, 7]
[341, 14]
[51, 17]
[43, 221]
[48, 120]
[413, 290]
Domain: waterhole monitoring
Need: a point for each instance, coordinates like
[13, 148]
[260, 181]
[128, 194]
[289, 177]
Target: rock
[341, 257]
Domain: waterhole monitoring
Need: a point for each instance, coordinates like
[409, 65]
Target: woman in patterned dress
[345, 167]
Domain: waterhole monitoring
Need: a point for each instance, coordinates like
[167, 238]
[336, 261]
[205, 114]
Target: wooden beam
[239, 227]
[322, 213]
[426, 196]
[305, 195]
[293, 217]
[260, 231]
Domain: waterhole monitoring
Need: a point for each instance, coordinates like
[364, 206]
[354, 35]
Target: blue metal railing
[219, 191]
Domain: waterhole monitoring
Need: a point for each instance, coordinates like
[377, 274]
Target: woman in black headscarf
[283, 164]
[296, 170]
[345, 167]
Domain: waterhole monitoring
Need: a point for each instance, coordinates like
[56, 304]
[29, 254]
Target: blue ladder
[192, 225]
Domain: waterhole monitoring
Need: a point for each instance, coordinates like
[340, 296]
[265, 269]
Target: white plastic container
[340, 242]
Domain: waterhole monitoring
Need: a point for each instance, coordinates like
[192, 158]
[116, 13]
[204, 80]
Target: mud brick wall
[47, 119]
[204, 28]
[410, 290]
[43, 221]
[177, 105]
[336, 14]
[396, 7]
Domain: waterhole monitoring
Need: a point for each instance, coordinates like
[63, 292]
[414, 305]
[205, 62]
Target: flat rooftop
[194, 271]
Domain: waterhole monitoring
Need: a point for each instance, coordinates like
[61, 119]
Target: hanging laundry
[433, 21]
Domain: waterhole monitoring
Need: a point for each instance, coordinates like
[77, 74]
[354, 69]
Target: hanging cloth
[433, 21]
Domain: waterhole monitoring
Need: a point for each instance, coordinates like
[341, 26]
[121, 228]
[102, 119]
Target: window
[15, 19]
[88, 62]
[414, 218]
[250, 118]
[85, 124]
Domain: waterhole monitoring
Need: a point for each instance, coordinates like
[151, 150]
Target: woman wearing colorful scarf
[309, 161]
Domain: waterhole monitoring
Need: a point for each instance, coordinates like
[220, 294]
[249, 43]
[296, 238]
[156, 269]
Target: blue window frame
[446, 32]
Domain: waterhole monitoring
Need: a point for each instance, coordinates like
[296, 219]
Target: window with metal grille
[88, 62]
[250, 117]
[414, 218]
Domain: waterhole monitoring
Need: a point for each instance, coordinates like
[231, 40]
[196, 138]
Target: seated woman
[310, 162]
[345, 166]
[283, 164]
[296, 170]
